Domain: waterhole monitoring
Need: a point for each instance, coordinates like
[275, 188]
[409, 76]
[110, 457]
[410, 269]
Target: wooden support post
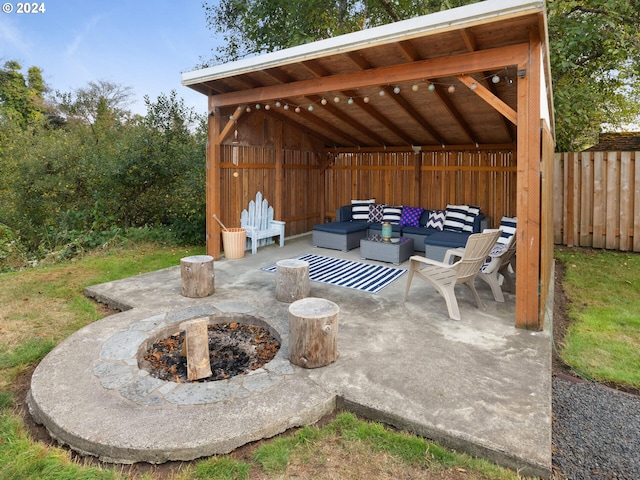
[197, 352]
[313, 332]
[197, 276]
[292, 280]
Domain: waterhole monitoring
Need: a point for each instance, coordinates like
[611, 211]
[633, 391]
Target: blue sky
[143, 44]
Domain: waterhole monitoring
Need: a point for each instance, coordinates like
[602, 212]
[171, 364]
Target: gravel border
[596, 432]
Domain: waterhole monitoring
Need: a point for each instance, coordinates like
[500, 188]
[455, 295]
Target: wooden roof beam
[482, 60]
[504, 109]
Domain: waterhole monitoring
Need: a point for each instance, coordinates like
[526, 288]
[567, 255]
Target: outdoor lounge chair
[497, 267]
[260, 225]
[445, 276]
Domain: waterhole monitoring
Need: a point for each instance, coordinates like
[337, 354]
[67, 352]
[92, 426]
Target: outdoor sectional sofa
[433, 231]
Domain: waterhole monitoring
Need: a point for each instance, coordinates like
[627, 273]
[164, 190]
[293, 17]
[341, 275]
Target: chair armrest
[452, 252]
[429, 261]
[278, 222]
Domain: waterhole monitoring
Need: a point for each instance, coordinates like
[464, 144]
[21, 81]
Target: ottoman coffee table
[395, 250]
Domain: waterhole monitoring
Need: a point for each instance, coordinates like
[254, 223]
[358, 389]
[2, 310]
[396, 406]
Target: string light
[432, 87]
[336, 99]
[365, 99]
[323, 101]
[451, 89]
[396, 90]
[350, 101]
[415, 87]
[382, 93]
[310, 108]
[495, 79]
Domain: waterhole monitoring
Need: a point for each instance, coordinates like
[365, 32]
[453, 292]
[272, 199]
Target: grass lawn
[40, 307]
[602, 340]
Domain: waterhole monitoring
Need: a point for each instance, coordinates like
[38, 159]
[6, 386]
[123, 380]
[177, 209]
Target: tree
[21, 101]
[594, 47]
[93, 103]
[257, 26]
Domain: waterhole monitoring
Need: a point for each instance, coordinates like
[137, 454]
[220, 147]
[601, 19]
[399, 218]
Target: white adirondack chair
[445, 276]
[496, 269]
[259, 223]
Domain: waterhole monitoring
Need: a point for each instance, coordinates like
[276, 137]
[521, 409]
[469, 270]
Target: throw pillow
[360, 209]
[436, 219]
[392, 214]
[508, 227]
[411, 216]
[472, 213]
[375, 213]
[455, 216]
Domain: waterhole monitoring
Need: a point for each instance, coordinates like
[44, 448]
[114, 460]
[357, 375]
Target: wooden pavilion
[453, 107]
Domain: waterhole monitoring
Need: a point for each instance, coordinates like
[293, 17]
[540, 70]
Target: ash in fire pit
[234, 349]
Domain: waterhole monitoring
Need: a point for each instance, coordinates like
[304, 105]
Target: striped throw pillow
[392, 214]
[360, 209]
[472, 213]
[508, 227]
[455, 217]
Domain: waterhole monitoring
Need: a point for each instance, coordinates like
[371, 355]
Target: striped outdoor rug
[347, 273]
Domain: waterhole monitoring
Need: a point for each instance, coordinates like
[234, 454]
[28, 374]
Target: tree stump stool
[292, 280]
[196, 339]
[197, 276]
[313, 332]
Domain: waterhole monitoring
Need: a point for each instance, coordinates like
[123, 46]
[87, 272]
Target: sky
[142, 44]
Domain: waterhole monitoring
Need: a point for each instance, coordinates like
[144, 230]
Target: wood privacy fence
[597, 200]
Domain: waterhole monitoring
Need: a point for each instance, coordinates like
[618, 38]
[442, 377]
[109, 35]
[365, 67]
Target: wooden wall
[597, 200]
[430, 179]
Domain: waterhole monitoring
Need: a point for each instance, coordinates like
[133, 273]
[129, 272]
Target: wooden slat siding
[558, 198]
[599, 200]
[613, 201]
[626, 202]
[586, 201]
[546, 225]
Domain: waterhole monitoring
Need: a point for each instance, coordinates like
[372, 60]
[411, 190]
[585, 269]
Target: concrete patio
[477, 385]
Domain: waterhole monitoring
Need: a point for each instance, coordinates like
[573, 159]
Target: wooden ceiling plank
[453, 111]
[490, 98]
[418, 117]
[286, 120]
[468, 39]
[491, 59]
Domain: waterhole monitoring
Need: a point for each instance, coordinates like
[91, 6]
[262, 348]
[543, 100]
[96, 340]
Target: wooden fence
[597, 200]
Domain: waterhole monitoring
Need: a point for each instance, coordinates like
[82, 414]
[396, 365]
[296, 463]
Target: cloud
[81, 37]
[10, 36]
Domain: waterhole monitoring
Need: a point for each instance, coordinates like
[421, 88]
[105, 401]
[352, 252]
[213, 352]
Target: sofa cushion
[392, 214]
[436, 220]
[424, 218]
[448, 238]
[360, 209]
[342, 228]
[411, 216]
[419, 231]
[394, 227]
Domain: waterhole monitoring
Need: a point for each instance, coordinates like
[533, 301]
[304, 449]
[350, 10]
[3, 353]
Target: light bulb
[382, 93]
[474, 86]
[248, 109]
[278, 104]
[257, 106]
[350, 101]
[365, 99]
[432, 87]
[310, 108]
[414, 87]
[323, 101]
[267, 107]
[495, 79]
[336, 99]
[286, 106]
[297, 110]
[396, 90]
[451, 89]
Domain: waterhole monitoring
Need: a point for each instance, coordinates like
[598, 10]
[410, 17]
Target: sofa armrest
[485, 223]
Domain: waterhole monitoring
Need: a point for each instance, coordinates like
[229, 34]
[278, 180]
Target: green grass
[603, 339]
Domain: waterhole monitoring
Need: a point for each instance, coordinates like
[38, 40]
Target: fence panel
[599, 193]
